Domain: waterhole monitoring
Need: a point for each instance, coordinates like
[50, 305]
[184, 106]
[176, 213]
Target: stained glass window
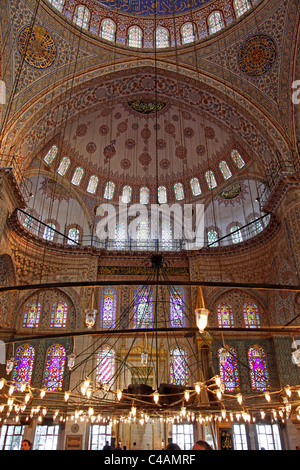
[49, 232]
[195, 186]
[51, 154]
[236, 157]
[256, 226]
[108, 29]
[211, 180]
[179, 193]
[64, 165]
[73, 236]
[225, 315]
[32, 314]
[126, 194]
[178, 366]
[228, 370]
[23, 366]
[236, 234]
[166, 235]
[54, 369]
[78, 174]
[212, 238]
[251, 315]
[108, 307]
[109, 190]
[82, 16]
[241, 6]
[105, 370]
[144, 195]
[162, 195]
[58, 4]
[143, 233]
[215, 22]
[225, 170]
[143, 312]
[93, 183]
[258, 368]
[187, 33]
[177, 308]
[135, 36]
[59, 312]
[162, 37]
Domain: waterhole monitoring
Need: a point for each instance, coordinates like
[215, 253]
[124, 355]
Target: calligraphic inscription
[146, 107]
[37, 47]
[148, 7]
[257, 55]
[231, 193]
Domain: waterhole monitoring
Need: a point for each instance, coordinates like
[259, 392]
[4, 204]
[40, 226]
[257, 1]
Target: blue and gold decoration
[37, 47]
[257, 55]
[150, 8]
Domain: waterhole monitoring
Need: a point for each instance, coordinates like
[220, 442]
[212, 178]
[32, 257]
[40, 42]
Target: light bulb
[186, 395]
[288, 390]
[67, 396]
[201, 315]
[198, 387]
[133, 410]
[11, 390]
[239, 398]
[42, 393]
[156, 397]
[119, 395]
[2, 383]
[267, 396]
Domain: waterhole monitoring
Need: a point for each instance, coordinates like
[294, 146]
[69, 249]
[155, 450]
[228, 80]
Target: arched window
[105, 370]
[93, 183]
[187, 33]
[32, 314]
[108, 29]
[258, 368]
[225, 170]
[236, 234]
[143, 312]
[144, 195]
[82, 16]
[77, 176]
[179, 193]
[121, 235]
[64, 165]
[59, 312]
[51, 154]
[162, 195]
[108, 308]
[58, 4]
[73, 236]
[195, 186]
[126, 194]
[212, 238]
[256, 226]
[215, 22]
[162, 37]
[177, 308]
[179, 373]
[109, 190]
[135, 37]
[49, 232]
[54, 369]
[143, 233]
[228, 369]
[225, 315]
[236, 157]
[211, 180]
[251, 315]
[23, 366]
[241, 7]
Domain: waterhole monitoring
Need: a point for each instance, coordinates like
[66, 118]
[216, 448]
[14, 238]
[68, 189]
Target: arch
[177, 308]
[54, 368]
[108, 29]
[135, 36]
[225, 315]
[82, 16]
[143, 308]
[188, 33]
[258, 368]
[162, 39]
[23, 366]
[215, 22]
[108, 308]
[251, 315]
[179, 372]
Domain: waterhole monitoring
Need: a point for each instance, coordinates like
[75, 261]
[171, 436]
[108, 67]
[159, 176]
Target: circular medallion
[37, 47]
[257, 55]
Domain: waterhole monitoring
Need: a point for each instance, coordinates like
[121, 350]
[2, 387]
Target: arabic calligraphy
[149, 7]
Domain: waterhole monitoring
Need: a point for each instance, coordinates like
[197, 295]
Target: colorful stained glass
[82, 16]
[210, 179]
[162, 37]
[126, 194]
[108, 29]
[73, 236]
[195, 186]
[162, 195]
[187, 33]
[109, 190]
[54, 369]
[23, 365]
[58, 4]
[49, 232]
[143, 313]
[64, 165]
[93, 183]
[256, 226]
[241, 7]
[228, 370]
[177, 308]
[51, 154]
[77, 177]
[236, 234]
[59, 314]
[135, 36]
[251, 315]
[225, 316]
[108, 307]
[225, 170]
[215, 22]
[236, 157]
[258, 368]
[32, 314]
[212, 238]
[105, 370]
[144, 195]
[178, 366]
[179, 193]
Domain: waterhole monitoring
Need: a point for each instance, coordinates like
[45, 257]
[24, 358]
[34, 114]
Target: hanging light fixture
[10, 365]
[156, 397]
[71, 361]
[90, 317]
[201, 313]
[144, 354]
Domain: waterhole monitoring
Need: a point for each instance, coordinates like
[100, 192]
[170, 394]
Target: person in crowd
[26, 445]
[172, 446]
[201, 445]
[107, 446]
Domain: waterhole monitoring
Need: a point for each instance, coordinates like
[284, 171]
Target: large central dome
[149, 7]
